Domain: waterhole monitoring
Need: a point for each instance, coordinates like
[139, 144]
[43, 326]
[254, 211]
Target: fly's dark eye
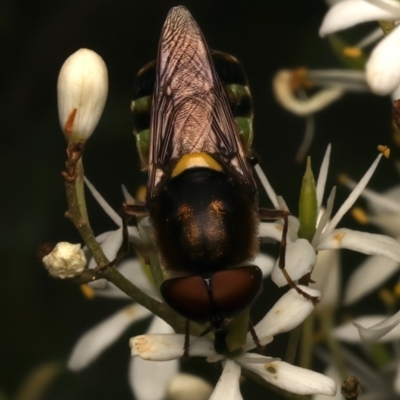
[235, 289]
[188, 296]
[225, 294]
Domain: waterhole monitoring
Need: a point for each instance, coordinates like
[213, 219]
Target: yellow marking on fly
[384, 150]
[352, 52]
[194, 160]
[359, 215]
[87, 291]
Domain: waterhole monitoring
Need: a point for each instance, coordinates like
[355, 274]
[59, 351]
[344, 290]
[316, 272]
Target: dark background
[42, 318]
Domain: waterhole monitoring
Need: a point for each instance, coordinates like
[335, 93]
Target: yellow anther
[352, 52]
[387, 297]
[141, 194]
[300, 80]
[396, 290]
[343, 179]
[360, 215]
[88, 292]
[384, 150]
[339, 236]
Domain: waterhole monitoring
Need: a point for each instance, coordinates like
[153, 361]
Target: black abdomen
[204, 221]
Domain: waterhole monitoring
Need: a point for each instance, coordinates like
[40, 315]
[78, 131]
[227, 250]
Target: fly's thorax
[204, 220]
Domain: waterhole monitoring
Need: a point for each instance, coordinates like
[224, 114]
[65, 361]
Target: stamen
[373, 37]
[387, 297]
[352, 52]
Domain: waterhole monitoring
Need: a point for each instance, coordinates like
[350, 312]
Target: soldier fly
[201, 195]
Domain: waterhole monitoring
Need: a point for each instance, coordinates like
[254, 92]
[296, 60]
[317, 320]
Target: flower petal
[228, 384]
[352, 12]
[326, 275]
[300, 259]
[270, 230]
[294, 379]
[97, 339]
[169, 347]
[267, 186]
[265, 263]
[383, 66]
[368, 276]
[332, 373]
[397, 381]
[187, 386]
[363, 242]
[323, 173]
[142, 372]
[287, 313]
[383, 328]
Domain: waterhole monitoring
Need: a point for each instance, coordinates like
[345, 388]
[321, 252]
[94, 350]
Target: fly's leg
[281, 214]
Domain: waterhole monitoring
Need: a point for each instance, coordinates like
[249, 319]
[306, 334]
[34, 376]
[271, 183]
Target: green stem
[307, 342]
[327, 324]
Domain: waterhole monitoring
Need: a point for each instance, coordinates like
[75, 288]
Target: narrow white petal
[270, 230]
[103, 204]
[326, 275]
[368, 276]
[322, 222]
[352, 12]
[188, 387]
[294, 379]
[386, 330]
[302, 107]
[300, 259]
[287, 313]
[112, 244]
[353, 196]
[98, 338]
[374, 326]
[268, 188]
[169, 347]
[308, 137]
[323, 173]
[389, 223]
[142, 372]
[127, 196]
[332, 373]
[228, 384]
[383, 65]
[364, 242]
[371, 38]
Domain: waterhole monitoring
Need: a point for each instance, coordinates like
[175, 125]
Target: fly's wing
[190, 111]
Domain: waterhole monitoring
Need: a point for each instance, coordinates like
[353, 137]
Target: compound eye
[188, 296]
[235, 289]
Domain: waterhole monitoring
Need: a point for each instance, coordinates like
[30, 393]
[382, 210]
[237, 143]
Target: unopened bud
[67, 260]
[81, 92]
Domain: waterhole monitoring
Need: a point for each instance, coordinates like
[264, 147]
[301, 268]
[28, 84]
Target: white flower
[286, 314]
[300, 254]
[82, 92]
[375, 270]
[383, 66]
[67, 260]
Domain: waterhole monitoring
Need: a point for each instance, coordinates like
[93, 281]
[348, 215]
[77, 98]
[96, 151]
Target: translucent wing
[190, 111]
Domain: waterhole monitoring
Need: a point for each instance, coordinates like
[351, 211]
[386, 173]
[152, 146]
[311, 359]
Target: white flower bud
[67, 260]
[81, 92]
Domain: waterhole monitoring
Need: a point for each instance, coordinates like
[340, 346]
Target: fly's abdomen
[204, 221]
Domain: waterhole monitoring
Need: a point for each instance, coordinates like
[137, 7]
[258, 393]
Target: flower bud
[81, 92]
[67, 260]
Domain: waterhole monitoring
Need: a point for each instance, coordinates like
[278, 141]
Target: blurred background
[42, 318]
